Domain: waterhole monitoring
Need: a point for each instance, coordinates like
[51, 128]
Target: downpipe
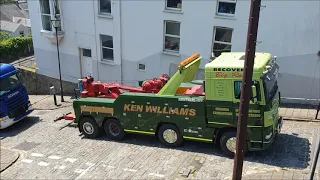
[315, 161]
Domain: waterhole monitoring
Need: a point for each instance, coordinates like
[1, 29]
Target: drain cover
[26, 145]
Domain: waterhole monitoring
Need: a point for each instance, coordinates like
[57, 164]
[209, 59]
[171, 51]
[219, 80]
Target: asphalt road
[49, 152]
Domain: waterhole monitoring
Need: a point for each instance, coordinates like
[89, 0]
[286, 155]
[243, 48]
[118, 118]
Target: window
[50, 9]
[141, 66]
[222, 40]
[237, 89]
[172, 36]
[107, 47]
[21, 33]
[86, 52]
[173, 4]
[226, 7]
[105, 6]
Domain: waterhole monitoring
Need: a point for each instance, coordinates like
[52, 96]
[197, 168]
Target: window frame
[172, 8]
[226, 14]
[145, 67]
[104, 13]
[171, 35]
[101, 48]
[52, 15]
[214, 41]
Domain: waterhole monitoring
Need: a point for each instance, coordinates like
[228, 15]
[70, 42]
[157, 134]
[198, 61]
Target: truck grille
[15, 102]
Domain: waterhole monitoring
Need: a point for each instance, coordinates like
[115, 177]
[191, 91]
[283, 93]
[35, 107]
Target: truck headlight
[268, 136]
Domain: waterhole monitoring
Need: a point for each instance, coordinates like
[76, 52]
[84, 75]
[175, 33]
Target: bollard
[53, 92]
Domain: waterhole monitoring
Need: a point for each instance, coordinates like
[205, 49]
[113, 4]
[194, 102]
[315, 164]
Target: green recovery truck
[184, 109]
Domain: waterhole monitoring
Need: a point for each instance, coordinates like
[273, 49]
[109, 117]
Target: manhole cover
[26, 145]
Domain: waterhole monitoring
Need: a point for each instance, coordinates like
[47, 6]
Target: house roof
[8, 11]
[9, 26]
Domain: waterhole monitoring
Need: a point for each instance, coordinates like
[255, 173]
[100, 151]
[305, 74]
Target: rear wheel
[170, 135]
[114, 130]
[89, 127]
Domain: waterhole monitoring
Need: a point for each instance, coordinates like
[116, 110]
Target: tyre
[228, 143]
[89, 127]
[114, 130]
[170, 135]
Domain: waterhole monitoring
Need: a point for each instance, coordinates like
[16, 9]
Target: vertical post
[56, 28]
[246, 88]
[315, 162]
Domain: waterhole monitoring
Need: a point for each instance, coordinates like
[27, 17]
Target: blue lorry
[14, 100]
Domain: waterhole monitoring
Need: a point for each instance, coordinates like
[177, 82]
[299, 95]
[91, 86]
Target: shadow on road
[19, 127]
[288, 151]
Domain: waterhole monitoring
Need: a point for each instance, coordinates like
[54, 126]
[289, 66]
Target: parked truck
[14, 100]
[186, 109]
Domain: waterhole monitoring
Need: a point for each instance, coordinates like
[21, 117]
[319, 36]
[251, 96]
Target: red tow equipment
[113, 90]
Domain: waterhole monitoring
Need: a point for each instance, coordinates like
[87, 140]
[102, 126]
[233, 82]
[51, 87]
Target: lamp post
[56, 24]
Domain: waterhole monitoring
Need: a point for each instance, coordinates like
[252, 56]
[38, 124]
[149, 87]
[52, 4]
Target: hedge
[15, 47]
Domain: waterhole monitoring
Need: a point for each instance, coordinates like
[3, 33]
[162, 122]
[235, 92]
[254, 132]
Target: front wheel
[89, 127]
[170, 135]
[228, 143]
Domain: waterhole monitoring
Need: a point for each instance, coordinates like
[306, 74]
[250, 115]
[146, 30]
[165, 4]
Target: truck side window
[237, 89]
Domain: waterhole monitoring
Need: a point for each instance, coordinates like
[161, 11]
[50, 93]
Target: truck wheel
[89, 127]
[170, 135]
[114, 130]
[228, 143]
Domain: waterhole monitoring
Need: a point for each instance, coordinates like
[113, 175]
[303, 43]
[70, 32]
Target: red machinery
[113, 90]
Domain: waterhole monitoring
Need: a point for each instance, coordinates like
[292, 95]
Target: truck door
[255, 110]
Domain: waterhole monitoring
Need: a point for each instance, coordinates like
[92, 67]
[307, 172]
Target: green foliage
[15, 46]
[6, 1]
[4, 36]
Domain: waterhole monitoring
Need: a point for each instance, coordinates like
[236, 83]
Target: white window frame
[145, 67]
[52, 15]
[170, 35]
[226, 1]
[103, 47]
[220, 42]
[104, 13]
[171, 8]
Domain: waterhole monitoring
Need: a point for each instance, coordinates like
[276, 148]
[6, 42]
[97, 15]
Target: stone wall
[40, 84]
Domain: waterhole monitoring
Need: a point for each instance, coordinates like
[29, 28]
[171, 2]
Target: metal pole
[56, 28]
[315, 162]
[246, 88]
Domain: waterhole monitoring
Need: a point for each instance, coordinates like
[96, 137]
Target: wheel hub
[231, 144]
[114, 129]
[170, 136]
[88, 128]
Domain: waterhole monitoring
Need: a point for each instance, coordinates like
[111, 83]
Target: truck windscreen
[8, 84]
[270, 83]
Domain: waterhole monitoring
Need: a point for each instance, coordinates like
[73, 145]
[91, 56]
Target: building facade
[128, 41]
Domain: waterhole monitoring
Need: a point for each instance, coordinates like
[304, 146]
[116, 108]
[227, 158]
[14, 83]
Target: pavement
[8, 157]
[55, 150]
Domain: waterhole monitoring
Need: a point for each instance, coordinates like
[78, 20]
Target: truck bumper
[261, 146]
[6, 121]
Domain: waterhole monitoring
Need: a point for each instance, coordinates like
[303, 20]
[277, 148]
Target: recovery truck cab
[14, 100]
[191, 110]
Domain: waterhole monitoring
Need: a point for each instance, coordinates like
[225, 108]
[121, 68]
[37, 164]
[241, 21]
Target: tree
[4, 36]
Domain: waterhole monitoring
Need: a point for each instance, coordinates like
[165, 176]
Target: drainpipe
[121, 61]
[95, 37]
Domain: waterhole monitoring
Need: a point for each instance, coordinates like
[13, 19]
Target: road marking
[131, 170]
[70, 160]
[43, 163]
[85, 171]
[59, 167]
[37, 155]
[27, 160]
[158, 175]
[54, 157]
